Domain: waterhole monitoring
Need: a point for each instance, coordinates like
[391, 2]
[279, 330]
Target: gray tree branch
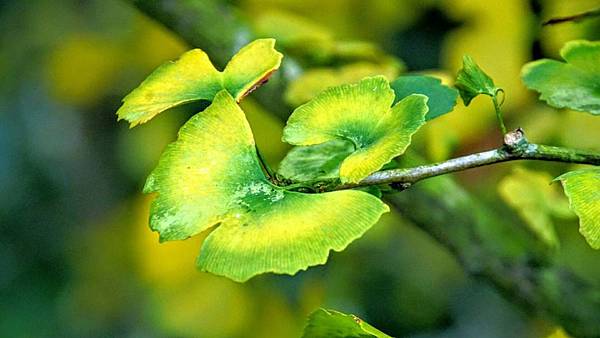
[516, 147]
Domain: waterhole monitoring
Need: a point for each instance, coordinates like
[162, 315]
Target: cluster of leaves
[212, 175]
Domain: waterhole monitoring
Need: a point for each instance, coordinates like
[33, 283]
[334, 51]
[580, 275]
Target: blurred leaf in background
[536, 201]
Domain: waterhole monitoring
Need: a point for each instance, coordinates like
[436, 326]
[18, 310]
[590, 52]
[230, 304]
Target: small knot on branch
[400, 186]
[515, 140]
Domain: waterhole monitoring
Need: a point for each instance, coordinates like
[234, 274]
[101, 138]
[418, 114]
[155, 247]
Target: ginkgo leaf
[324, 323]
[471, 81]
[536, 201]
[573, 84]
[582, 187]
[193, 77]
[320, 161]
[442, 99]
[359, 113]
[314, 81]
[212, 176]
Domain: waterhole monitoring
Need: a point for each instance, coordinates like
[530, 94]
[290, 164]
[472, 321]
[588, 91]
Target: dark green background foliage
[451, 260]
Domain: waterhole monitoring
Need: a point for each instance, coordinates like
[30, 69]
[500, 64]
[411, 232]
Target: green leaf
[318, 162]
[442, 98]
[574, 84]
[359, 113]
[314, 81]
[211, 176]
[536, 201]
[324, 323]
[193, 77]
[582, 187]
[472, 81]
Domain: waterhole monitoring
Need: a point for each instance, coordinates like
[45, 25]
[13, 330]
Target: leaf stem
[497, 106]
[270, 173]
[516, 147]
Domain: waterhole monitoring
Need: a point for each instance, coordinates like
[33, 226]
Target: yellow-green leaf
[582, 187]
[321, 161]
[324, 323]
[361, 114]
[211, 176]
[572, 84]
[193, 77]
[313, 81]
[531, 194]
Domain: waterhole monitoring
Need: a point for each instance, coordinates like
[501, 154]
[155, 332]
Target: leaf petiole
[265, 166]
[498, 110]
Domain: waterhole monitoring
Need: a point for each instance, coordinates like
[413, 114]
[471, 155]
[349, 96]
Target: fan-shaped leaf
[582, 187]
[359, 113]
[211, 176]
[333, 324]
[442, 99]
[314, 81]
[193, 77]
[574, 84]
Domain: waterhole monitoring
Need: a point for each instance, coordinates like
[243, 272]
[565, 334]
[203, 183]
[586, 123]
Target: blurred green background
[76, 256]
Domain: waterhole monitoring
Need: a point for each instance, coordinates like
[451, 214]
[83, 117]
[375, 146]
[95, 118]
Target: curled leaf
[582, 187]
[572, 84]
[211, 176]
[361, 114]
[472, 81]
[193, 77]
